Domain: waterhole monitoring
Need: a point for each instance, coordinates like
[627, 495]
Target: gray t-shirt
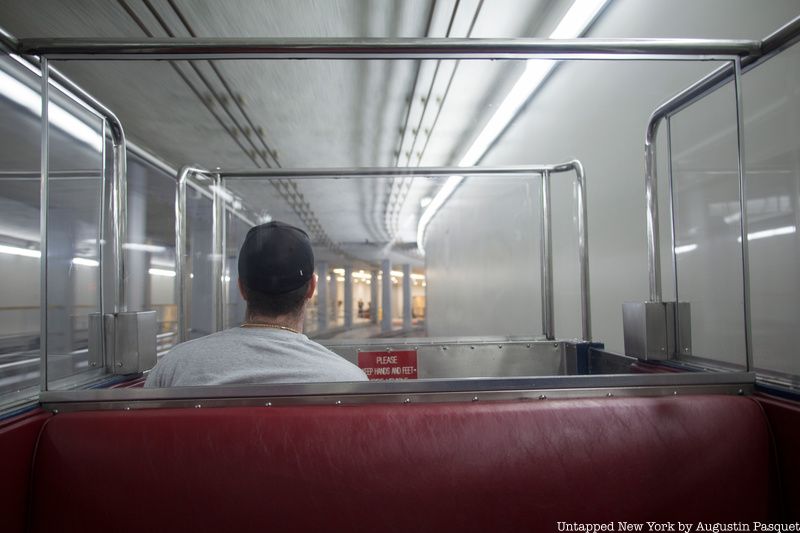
[251, 355]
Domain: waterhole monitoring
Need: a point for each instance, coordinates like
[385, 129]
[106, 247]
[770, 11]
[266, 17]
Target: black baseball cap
[275, 258]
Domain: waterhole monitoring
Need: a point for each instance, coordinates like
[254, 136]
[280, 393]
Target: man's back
[251, 355]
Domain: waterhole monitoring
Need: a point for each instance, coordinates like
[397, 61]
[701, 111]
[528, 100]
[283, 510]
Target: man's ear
[312, 287]
[241, 288]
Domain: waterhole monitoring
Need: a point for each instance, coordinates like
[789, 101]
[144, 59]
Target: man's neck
[294, 323]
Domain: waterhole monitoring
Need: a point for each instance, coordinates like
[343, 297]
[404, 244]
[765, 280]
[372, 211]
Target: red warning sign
[397, 365]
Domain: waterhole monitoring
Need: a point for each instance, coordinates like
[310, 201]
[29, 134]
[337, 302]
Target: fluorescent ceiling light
[685, 248]
[535, 72]
[83, 261]
[14, 250]
[438, 201]
[163, 272]
[572, 25]
[21, 94]
[577, 19]
[144, 247]
[785, 230]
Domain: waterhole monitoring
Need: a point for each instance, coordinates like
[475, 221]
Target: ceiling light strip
[573, 24]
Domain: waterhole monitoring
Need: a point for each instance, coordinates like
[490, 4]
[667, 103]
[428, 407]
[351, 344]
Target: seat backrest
[482, 466]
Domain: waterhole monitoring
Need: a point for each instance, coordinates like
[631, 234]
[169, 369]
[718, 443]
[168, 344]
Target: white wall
[482, 257]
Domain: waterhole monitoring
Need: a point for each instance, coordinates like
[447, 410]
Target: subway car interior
[559, 237]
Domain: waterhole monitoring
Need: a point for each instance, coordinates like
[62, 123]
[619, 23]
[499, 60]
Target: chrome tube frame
[44, 203]
[583, 249]
[546, 257]
[223, 176]
[740, 146]
[380, 48]
[118, 179]
[218, 252]
[182, 247]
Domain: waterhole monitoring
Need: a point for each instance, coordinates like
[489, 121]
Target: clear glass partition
[76, 155]
[708, 247]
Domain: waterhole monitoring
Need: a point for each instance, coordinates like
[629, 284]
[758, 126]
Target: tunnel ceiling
[295, 114]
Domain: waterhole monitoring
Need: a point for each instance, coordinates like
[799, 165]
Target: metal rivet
[119, 364]
[197, 406]
[740, 392]
[407, 400]
[474, 398]
[542, 397]
[471, 347]
[55, 411]
[674, 393]
[444, 347]
[555, 345]
[268, 404]
[610, 395]
[127, 408]
[338, 402]
[527, 345]
[93, 363]
[500, 346]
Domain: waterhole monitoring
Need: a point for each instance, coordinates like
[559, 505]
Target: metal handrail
[380, 48]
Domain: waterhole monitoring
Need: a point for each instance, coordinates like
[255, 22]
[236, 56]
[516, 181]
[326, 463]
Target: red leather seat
[484, 466]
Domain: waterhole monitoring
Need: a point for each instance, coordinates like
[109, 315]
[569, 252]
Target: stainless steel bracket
[657, 330]
[128, 341]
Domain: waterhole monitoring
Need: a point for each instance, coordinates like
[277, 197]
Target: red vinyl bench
[482, 466]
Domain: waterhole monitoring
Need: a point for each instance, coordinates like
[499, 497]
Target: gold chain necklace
[274, 326]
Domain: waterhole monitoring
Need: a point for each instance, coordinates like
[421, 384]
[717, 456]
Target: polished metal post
[546, 258]
[181, 255]
[583, 250]
[119, 217]
[44, 203]
[651, 193]
[101, 242]
[668, 127]
[217, 252]
[743, 226]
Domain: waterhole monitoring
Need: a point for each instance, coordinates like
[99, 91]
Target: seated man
[276, 278]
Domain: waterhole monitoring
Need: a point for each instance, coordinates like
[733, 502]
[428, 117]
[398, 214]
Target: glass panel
[19, 231]
[73, 239]
[150, 247]
[707, 231]
[772, 108]
[199, 209]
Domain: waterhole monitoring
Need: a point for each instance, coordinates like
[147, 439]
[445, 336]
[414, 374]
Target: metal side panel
[473, 357]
